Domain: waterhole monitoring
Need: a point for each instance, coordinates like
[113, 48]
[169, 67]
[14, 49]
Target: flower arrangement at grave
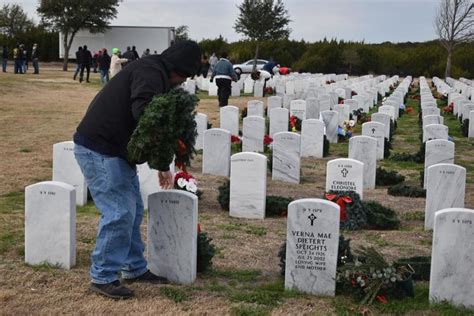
[295, 124]
[166, 129]
[449, 108]
[361, 116]
[268, 90]
[370, 277]
[205, 251]
[186, 182]
[345, 131]
[267, 142]
[236, 144]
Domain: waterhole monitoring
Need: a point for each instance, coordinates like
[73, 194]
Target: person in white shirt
[116, 62]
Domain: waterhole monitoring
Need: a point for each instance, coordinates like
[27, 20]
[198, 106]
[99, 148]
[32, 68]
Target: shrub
[406, 190]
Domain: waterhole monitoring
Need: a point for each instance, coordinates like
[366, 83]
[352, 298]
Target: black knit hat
[184, 57]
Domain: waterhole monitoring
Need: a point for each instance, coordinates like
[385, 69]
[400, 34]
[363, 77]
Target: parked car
[247, 67]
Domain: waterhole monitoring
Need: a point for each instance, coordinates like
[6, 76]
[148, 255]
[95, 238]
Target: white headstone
[216, 152]
[471, 124]
[235, 92]
[345, 174]
[255, 108]
[364, 149]
[201, 126]
[431, 111]
[172, 235]
[273, 102]
[446, 186]
[66, 169]
[435, 131]
[330, 119]
[298, 109]
[312, 138]
[190, 86]
[248, 185]
[312, 108]
[376, 130]
[286, 157]
[437, 151]
[287, 98]
[386, 109]
[229, 118]
[312, 240]
[213, 89]
[385, 119]
[253, 133]
[432, 119]
[258, 89]
[451, 277]
[248, 85]
[279, 120]
[343, 111]
[50, 224]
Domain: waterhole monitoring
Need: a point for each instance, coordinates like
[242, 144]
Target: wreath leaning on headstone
[167, 128]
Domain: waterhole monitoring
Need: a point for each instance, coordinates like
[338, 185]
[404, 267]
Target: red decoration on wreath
[235, 139]
[199, 228]
[382, 299]
[293, 121]
[341, 201]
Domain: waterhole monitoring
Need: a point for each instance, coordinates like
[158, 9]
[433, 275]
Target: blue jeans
[116, 192]
[76, 72]
[104, 76]
[36, 65]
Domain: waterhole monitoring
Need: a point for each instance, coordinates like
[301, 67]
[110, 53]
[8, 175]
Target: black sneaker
[113, 290]
[148, 277]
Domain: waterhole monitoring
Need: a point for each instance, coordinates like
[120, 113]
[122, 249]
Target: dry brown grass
[37, 112]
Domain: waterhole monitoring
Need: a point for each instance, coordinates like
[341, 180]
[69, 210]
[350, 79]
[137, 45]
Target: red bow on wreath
[182, 149]
[341, 201]
[293, 121]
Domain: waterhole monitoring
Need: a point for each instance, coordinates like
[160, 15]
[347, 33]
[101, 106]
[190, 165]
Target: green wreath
[166, 129]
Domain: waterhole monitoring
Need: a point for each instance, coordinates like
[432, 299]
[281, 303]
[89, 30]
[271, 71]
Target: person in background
[78, 62]
[116, 62]
[224, 74]
[4, 58]
[17, 58]
[135, 53]
[146, 52]
[95, 57]
[262, 76]
[212, 62]
[129, 55]
[205, 66]
[35, 58]
[271, 67]
[86, 63]
[104, 66]
[24, 58]
[101, 152]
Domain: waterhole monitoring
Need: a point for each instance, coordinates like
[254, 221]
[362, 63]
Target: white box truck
[155, 38]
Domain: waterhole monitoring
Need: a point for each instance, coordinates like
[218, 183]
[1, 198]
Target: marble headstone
[229, 118]
[451, 277]
[446, 186]
[253, 132]
[312, 138]
[377, 131]
[385, 119]
[431, 111]
[435, 131]
[216, 152]
[389, 110]
[172, 235]
[258, 89]
[364, 149]
[343, 113]
[432, 119]
[312, 108]
[66, 169]
[279, 120]
[255, 108]
[345, 174]
[330, 119]
[50, 224]
[471, 124]
[201, 126]
[248, 185]
[273, 102]
[438, 151]
[286, 157]
[312, 240]
[287, 98]
[298, 109]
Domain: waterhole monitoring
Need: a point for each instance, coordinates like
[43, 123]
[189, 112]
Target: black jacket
[35, 53]
[104, 61]
[5, 52]
[114, 113]
[86, 57]
[79, 57]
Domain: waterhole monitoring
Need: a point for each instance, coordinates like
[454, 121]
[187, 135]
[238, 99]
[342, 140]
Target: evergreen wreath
[355, 214]
[166, 129]
[403, 189]
[387, 177]
[205, 252]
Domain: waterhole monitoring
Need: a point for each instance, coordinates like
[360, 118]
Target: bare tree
[454, 24]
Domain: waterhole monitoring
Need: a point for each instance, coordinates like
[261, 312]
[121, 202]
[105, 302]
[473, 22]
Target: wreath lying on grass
[403, 189]
[166, 129]
[387, 177]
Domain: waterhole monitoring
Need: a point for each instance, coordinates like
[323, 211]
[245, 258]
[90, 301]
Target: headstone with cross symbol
[311, 246]
[345, 175]
[377, 131]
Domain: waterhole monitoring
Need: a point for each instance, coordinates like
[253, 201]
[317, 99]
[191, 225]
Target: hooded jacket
[113, 114]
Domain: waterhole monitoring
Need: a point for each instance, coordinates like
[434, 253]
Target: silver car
[247, 67]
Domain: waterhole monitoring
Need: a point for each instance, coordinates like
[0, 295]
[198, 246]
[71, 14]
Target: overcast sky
[374, 21]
